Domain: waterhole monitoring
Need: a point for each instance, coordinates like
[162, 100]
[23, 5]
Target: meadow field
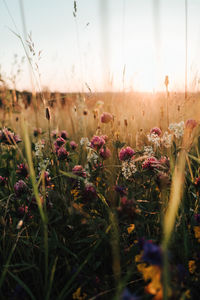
[99, 196]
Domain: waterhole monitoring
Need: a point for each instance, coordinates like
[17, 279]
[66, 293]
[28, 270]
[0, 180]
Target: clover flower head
[105, 153]
[3, 181]
[150, 163]
[126, 153]
[121, 190]
[106, 117]
[62, 153]
[156, 130]
[97, 142]
[59, 142]
[79, 171]
[20, 188]
[22, 170]
[73, 145]
[64, 134]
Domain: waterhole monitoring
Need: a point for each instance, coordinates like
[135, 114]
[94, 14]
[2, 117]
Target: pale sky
[146, 38]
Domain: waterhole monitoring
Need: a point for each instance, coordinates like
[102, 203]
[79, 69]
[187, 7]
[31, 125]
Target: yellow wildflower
[192, 266]
[131, 228]
[77, 294]
[138, 258]
[75, 193]
[197, 232]
[152, 273]
[187, 294]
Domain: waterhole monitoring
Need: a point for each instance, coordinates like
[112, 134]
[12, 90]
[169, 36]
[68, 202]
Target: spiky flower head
[150, 163]
[126, 153]
[105, 153]
[156, 130]
[64, 134]
[22, 170]
[79, 171]
[20, 188]
[106, 117]
[97, 142]
[62, 153]
[73, 145]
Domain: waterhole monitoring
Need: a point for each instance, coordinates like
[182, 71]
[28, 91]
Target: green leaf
[71, 175]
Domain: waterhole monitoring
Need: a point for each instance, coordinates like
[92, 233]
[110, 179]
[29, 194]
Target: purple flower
[190, 124]
[105, 137]
[22, 170]
[62, 153]
[37, 132]
[20, 188]
[150, 163]
[106, 117]
[97, 142]
[127, 207]
[3, 181]
[126, 153]
[152, 253]
[156, 130]
[105, 153]
[73, 145]
[126, 295]
[22, 210]
[59, 142]
[121, 190]
[89, 192]
[64, 134]
[9, 138]
[79, 171]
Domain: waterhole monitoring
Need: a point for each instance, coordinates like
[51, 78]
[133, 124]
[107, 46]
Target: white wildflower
[154, 138]
[38, 148]
[128, 168]
[148, 150]
[166, 139]
[43, 164]
[177, 129]
[92, 156]
[19, 224]
[84, 141]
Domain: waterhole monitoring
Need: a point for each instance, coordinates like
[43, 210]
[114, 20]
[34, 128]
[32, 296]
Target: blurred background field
[132, 112]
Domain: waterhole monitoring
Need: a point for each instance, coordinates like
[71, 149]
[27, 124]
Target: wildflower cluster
[99, 196]
[128, 168]
[177, 129]
[8, 137]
